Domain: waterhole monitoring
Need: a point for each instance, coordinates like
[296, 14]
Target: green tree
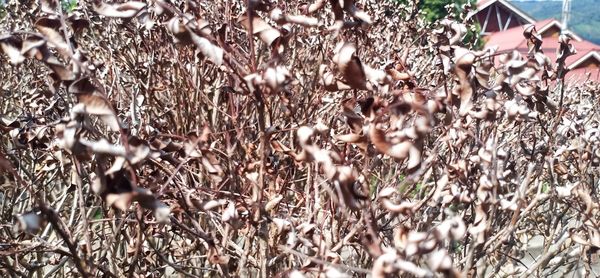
[68, 5]
[436, 9]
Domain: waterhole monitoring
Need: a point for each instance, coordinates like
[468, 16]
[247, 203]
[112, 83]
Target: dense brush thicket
[285, 139]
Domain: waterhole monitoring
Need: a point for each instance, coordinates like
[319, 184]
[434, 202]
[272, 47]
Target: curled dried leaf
[209, 50]
[464, 60]
[534, 40]
[351, 138]
[330, 82]
[262, 29]
[103, 147]
[275, 77]
[50, 27]
[34, 46]
[187, 31]
[92, 102]
[315, 6]
[351, 9]
[162, 212]
[11, 46]
[230, 213]
[49, 6]
[384, 265]
[397, 75]
[179, 30]
[216, 257]
[278, 16]
[439, 260]
[402, 150]
[124, 10]
[78, 22]
[271, 204]
[350, 66]
[120, 201]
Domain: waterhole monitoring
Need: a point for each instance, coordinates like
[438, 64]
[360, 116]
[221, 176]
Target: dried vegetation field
[287, 139]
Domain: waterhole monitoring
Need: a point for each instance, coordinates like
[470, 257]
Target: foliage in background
[437, 9]
[2, 9]
[434, 10]
[68, 5]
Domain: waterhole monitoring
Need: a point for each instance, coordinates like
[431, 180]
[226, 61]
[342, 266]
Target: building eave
[592, 53]
[555, 22]
[507, 5]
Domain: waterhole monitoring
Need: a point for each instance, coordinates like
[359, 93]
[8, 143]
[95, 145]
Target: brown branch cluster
[268, 139]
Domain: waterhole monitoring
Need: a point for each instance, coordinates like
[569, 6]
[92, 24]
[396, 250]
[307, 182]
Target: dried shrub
[257, 138]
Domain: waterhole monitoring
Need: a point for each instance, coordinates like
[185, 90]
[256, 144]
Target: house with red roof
[499, 15]
[502, 25]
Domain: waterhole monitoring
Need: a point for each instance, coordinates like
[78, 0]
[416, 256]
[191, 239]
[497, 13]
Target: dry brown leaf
[209, 50]
[179, 30]
[525, 89]
[11, 46]
[230, 213]
[459, 31]
[124, 10]
[275, 77]
[36, 46]
[278, 16]
[464, 61]
[51, 28]
[211, 205]
[351, 138]
[49, 6]
[262, 29]
[271, 204]
[215, 257]
[350, 66]
[439, 260]
[61, 71]
[121, 201]
[78, 22]
[398, 76]
[402, 150]
[94, 103]
[31, 46]
[185, 34]
[104, 147]
[534, 40]
[329, 81]
[353, 11]
[315, 6]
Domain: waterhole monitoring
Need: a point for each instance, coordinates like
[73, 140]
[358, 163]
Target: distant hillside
[585, 15]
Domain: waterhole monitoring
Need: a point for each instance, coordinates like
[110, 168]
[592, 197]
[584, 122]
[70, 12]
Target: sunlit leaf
[124, 10]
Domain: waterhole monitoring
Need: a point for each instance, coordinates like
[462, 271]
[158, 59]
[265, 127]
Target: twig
[554, 249]
[323, 262]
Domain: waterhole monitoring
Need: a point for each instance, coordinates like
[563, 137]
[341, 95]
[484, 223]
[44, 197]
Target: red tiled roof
[542, 23]
[509, 39]
[512, 39]
[550, 45]
[581, 75]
